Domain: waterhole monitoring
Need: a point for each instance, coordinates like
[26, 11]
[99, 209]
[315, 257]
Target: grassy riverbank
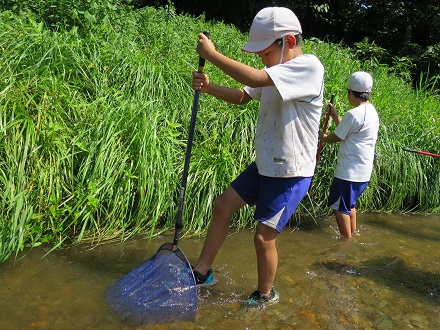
[94, 116]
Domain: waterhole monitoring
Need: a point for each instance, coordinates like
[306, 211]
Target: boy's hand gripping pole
[324, 129]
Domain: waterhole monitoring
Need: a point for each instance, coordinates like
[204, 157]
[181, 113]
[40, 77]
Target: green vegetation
[94, 115]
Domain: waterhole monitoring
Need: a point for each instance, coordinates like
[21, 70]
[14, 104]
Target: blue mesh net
[162, 289]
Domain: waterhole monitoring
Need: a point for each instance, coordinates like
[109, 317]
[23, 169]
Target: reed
[94, 118]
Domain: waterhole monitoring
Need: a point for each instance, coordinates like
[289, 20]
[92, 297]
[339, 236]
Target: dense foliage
[94, 115]
[398, 33]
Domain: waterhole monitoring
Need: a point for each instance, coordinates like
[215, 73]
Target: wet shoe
[204, 280]
[257, 299]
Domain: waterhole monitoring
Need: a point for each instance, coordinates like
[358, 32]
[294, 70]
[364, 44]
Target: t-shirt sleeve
[345, 126]
[301, 78]
[255, 93]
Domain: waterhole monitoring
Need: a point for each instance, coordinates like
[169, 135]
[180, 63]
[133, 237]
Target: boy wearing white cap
[357, 134]
[289, 89]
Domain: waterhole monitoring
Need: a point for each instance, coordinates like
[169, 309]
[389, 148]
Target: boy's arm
[330, 138]
[232, 95]
[240, 72]
[334, 114]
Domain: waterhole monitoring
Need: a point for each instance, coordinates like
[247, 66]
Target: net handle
[189, 144]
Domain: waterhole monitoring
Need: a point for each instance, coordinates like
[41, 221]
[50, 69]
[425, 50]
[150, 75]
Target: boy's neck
[294, 52]
[358, 102]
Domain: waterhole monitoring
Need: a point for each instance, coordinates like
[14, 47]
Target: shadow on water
[394, 273]
[386, 277]
[415, 230]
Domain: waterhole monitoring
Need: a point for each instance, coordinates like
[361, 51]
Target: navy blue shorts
[343, 194]
[276, 199]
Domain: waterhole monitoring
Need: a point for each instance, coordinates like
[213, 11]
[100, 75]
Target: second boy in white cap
[357, 134]
[290, 90]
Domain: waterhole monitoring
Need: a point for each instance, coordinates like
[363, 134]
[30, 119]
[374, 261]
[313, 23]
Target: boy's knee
[222, 207]
[228, 203]
[219, 203]
[265, 235]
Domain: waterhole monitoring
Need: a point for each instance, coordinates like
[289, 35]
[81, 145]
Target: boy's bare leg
[353, 220]
[224, 207]
[344, 223]
[267, 257]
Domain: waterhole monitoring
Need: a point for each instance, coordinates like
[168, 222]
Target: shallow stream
[386, 277]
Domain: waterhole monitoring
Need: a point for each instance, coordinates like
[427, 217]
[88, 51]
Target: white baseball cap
[360, 81]
[270, 24]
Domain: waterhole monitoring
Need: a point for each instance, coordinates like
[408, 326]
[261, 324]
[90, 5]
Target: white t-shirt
[288, 121]
[358, 132]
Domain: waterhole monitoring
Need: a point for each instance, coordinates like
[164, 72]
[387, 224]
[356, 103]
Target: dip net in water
[162, 289]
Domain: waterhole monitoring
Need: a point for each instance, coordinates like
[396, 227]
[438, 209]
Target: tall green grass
[95, 116]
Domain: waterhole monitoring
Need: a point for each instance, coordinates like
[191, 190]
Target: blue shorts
[276, 199]
[343, 194]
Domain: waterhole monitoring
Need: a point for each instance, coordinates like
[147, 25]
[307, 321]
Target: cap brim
[256, 46]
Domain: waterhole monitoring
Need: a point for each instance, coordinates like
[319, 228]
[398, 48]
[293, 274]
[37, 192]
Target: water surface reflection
[388, 277]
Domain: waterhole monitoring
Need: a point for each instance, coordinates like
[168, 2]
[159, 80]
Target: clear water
[387, 277]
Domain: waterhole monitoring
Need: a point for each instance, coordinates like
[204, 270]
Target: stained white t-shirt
[288, 121]
[358, 133]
